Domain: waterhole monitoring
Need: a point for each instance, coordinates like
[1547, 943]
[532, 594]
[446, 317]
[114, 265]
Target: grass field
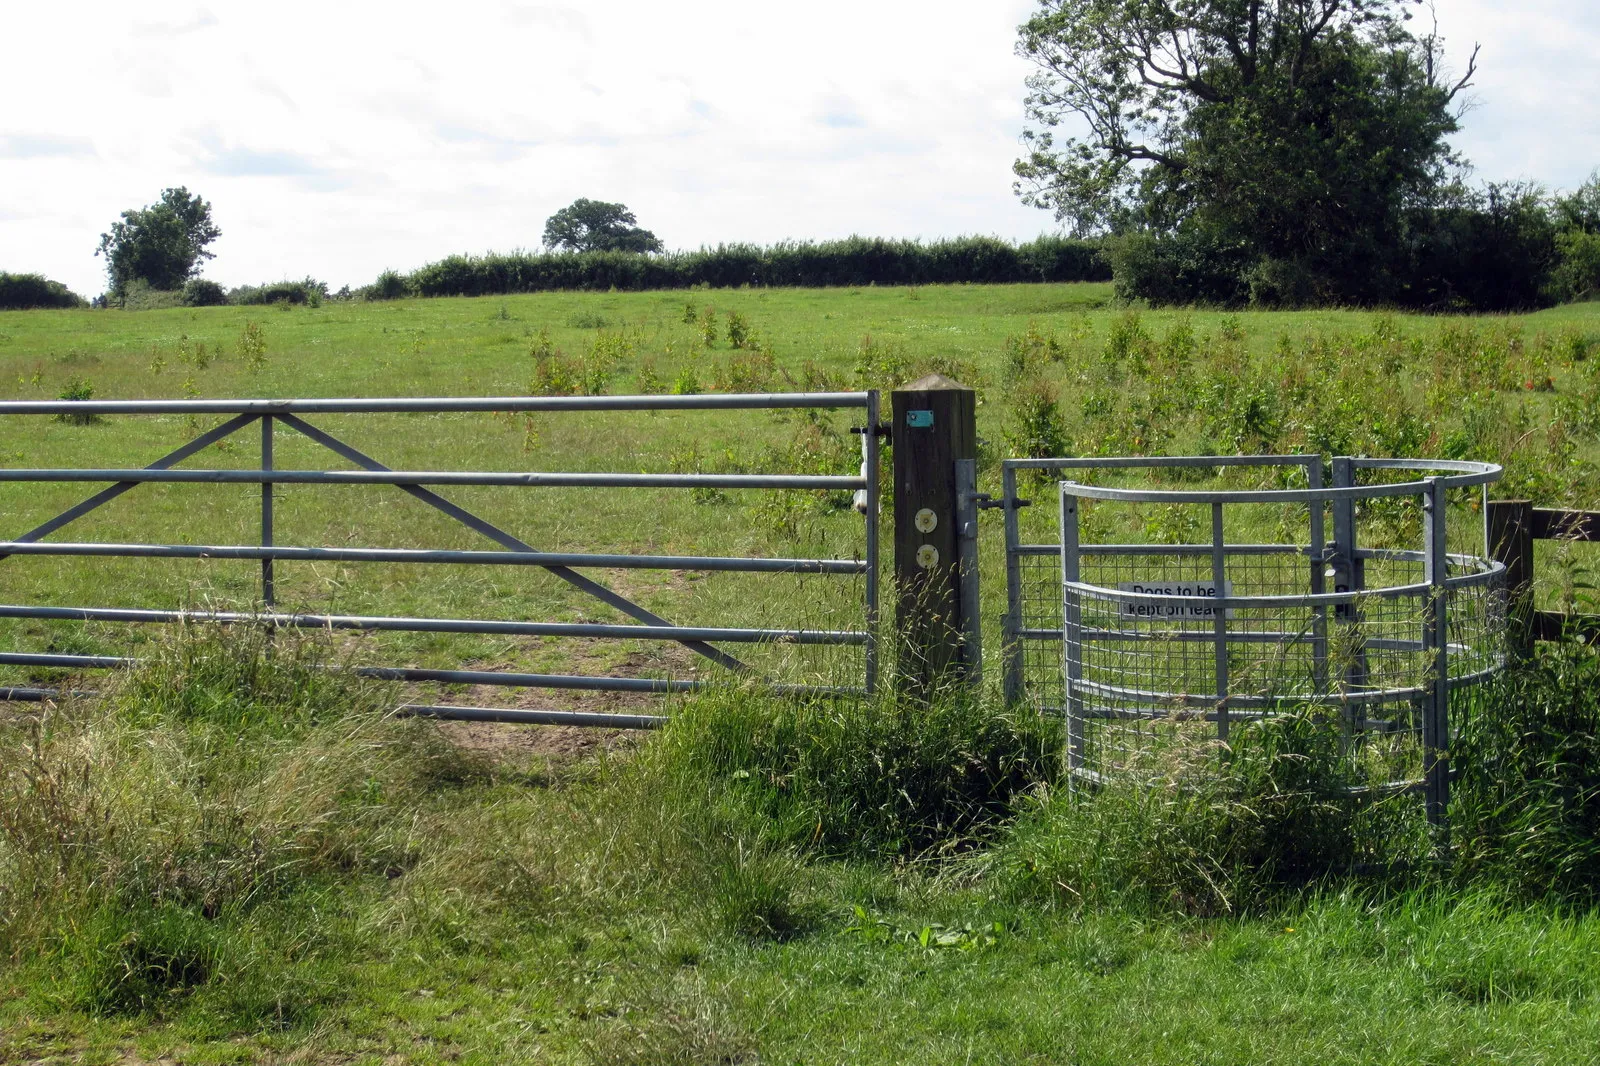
[216, 867]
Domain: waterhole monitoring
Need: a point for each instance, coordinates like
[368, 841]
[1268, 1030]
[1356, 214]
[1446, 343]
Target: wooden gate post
[935, 424]
[1511, 543]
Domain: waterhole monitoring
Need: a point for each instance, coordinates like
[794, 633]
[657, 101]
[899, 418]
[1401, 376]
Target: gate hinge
[986, 501]
[883, 430]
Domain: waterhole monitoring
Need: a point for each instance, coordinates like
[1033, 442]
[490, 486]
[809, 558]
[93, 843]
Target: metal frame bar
[1318, 577]
[382, 623]
[971, 621]
[268, 476]
[731, 401]
[517, 716]
[1357, 492]
[544, 560]
[1011, 625]
[1349, 568]
[1165, 549]
[498, 678]
[1436, 701]
[872, 447]
[268, 592]
[1072, 630]
[1219, 619]
[1134, 462]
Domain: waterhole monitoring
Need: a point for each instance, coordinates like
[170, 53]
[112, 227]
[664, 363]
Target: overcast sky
[338, 139]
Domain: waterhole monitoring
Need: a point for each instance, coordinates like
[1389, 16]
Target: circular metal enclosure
[1195, 600]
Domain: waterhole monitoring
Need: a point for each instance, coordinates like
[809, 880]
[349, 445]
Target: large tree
[596, 226]
[1298, 131]
[161, 245]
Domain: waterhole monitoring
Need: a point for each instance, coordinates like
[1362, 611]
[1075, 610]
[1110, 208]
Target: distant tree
[20, 292]
[596, 226]
[1577, 215]
[203, 292]
[161, 245]
[1580, 210]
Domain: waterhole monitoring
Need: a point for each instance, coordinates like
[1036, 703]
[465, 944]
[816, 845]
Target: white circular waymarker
[925, 521]
[927, 557]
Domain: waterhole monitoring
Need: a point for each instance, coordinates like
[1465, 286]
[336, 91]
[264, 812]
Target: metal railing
[1155, 639]
[511, 550]
[1031, 627]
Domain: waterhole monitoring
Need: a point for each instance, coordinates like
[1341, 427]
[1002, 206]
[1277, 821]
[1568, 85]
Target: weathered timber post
[1511, 543]
[935, 426]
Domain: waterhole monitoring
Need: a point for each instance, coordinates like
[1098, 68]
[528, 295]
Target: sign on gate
[1182, 610]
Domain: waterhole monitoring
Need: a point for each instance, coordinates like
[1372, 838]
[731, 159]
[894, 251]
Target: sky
[339, 139]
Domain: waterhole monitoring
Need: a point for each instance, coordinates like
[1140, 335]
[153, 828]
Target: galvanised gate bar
[271, 415]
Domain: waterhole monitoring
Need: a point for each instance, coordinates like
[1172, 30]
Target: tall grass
[242, 827]
[1207, 829]
[179, 836]
[1527, 794]
[875, 777]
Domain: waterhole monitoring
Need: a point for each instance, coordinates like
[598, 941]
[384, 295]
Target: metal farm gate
[271, 417]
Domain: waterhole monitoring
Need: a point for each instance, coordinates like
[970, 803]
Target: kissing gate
[1156, 605]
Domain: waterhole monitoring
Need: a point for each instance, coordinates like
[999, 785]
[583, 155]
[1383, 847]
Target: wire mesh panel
[1342, 597]
[1033, 626]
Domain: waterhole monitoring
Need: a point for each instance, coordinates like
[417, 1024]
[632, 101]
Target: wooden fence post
[935, 424]
[1511, 543]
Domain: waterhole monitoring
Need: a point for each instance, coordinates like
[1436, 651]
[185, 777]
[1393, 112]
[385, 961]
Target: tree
[1297, 134]
[1577, 273]
[596, 226]
[1580, 210]
[161, 245]
[21, 292]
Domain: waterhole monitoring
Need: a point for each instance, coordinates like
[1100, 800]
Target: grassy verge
[239, 855]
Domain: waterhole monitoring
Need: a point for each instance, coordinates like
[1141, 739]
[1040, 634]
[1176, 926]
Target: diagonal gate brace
[104, 496]
[506, 540]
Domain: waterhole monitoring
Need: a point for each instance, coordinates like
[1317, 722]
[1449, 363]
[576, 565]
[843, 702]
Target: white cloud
[1534, 115]
[341, 139]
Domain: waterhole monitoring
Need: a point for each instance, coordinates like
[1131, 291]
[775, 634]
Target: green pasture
[1060, 371]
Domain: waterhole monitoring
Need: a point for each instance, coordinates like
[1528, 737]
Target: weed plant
[77, 390]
